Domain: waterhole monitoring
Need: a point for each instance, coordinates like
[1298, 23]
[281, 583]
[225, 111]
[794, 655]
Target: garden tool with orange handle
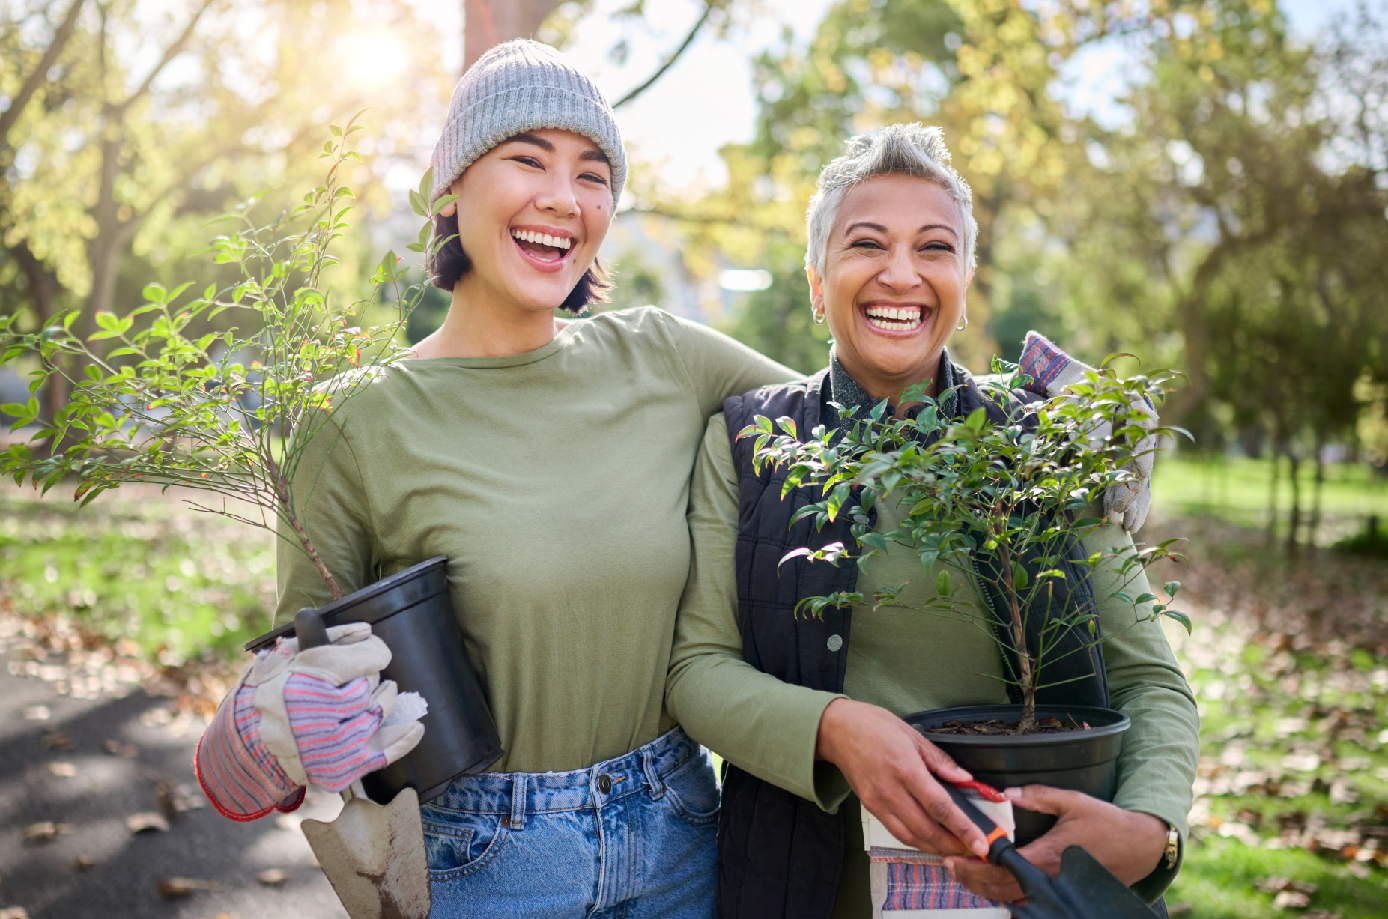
[1084, 890]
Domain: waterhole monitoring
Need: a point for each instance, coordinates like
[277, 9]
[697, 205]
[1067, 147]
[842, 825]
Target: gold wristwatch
[1173, 847]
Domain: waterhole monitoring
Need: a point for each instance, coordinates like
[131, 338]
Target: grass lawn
[1237, 490]
[137, 564]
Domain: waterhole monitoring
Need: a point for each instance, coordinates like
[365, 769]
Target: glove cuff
[1042, 361]
[233, 777]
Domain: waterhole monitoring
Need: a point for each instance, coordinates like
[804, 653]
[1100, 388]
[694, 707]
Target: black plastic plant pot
[1079, 760]
[411, 612]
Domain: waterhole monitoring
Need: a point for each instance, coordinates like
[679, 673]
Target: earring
[818, 318]
[963, 324]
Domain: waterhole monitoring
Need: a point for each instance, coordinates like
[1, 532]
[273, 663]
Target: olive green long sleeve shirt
[556, 482]
[904, 660]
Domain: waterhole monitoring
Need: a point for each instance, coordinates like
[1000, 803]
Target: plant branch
[669, 61]
[39, 75]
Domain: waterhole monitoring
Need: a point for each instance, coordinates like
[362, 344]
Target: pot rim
[1119, 723]
[369, 592]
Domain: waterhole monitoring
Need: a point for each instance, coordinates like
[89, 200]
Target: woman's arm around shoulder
[719, 366]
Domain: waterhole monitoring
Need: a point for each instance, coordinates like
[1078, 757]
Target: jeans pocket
[457, 843]
[692, 790]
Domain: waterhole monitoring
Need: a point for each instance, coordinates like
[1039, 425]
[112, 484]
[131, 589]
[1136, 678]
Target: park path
[87, 766]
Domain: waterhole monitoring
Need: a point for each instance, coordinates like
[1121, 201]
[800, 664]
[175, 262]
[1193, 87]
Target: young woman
[549, 460]
[807, 709]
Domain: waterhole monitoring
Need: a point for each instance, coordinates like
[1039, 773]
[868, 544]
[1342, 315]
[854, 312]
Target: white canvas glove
[325, 713]
[1128, 502]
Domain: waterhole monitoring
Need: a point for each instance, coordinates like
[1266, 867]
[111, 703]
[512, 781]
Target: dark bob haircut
[450, 264]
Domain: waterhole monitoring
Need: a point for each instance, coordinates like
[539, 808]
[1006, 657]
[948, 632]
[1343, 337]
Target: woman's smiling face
[532, 213]
[894, 280]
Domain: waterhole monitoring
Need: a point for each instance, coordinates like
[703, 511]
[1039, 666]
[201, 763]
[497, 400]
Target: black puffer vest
[780, 855]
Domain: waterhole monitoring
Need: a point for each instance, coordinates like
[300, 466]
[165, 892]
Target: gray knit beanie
[521, 86]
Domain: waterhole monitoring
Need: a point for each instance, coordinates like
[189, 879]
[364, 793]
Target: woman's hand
[889, 765]
[1129, 844]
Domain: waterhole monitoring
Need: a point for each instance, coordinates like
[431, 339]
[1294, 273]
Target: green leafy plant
[1003, 502]
[157, 398]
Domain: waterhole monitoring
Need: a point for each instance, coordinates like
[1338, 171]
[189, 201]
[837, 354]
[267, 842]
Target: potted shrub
[160, 396]
[1000, 501]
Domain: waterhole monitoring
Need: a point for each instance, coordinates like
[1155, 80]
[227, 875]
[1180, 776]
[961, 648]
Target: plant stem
[1019, 642]
[287, 504]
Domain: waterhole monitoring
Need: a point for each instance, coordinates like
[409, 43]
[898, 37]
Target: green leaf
[1180, 617]
[440, 203]
[943, 584]
[1171, 587]
[875, 541]
[1020, 579]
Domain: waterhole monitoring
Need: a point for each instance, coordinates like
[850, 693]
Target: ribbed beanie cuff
[523, 86]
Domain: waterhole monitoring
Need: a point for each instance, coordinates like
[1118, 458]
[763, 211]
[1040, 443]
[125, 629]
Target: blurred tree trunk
[487, 23]
[116, 224]
[1294, 520]
[1315, 524]
[1276, 460]
[43, 290]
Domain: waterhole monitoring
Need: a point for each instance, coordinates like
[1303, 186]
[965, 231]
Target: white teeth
[895, 320]
[542, 239]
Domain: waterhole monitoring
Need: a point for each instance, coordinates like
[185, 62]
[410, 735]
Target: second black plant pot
[411, 612]
[1079, 760]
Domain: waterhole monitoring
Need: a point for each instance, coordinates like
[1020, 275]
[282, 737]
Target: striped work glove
[299, 718]
[1052, 370]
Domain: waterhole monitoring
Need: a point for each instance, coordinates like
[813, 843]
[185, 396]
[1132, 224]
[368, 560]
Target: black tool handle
[309, 629]
[1001, 851]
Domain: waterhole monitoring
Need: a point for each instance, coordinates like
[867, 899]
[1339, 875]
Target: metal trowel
[1084, 890]
[373, 854]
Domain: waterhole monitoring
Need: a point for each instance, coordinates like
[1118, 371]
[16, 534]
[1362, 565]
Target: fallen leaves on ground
[1289, 664]
[83, 863]
[124, 750]
[272, 877]
[45, 831]
[178, 888]
[57, 741]
[147, 823]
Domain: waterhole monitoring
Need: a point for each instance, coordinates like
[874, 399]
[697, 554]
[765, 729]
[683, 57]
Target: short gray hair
[898, 149]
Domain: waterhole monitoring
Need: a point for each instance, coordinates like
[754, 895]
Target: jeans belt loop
[517, 821]
[653, 778]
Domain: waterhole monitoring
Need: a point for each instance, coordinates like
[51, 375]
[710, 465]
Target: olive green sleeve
[719, 366]
[330, 501]
[1156, 769]
[753, 720]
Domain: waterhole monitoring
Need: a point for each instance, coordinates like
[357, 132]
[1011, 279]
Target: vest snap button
[835, 642]
[604, 783]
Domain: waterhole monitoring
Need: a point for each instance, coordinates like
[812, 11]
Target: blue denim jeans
[632, 838]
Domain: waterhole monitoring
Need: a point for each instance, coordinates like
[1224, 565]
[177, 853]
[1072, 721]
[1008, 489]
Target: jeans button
[604, 783]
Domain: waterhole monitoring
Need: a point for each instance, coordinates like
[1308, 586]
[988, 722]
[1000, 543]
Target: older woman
[810, 724]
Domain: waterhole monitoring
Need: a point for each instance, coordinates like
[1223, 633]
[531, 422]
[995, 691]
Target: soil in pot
[1083, 760]
[997, 727]
[411, 612]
